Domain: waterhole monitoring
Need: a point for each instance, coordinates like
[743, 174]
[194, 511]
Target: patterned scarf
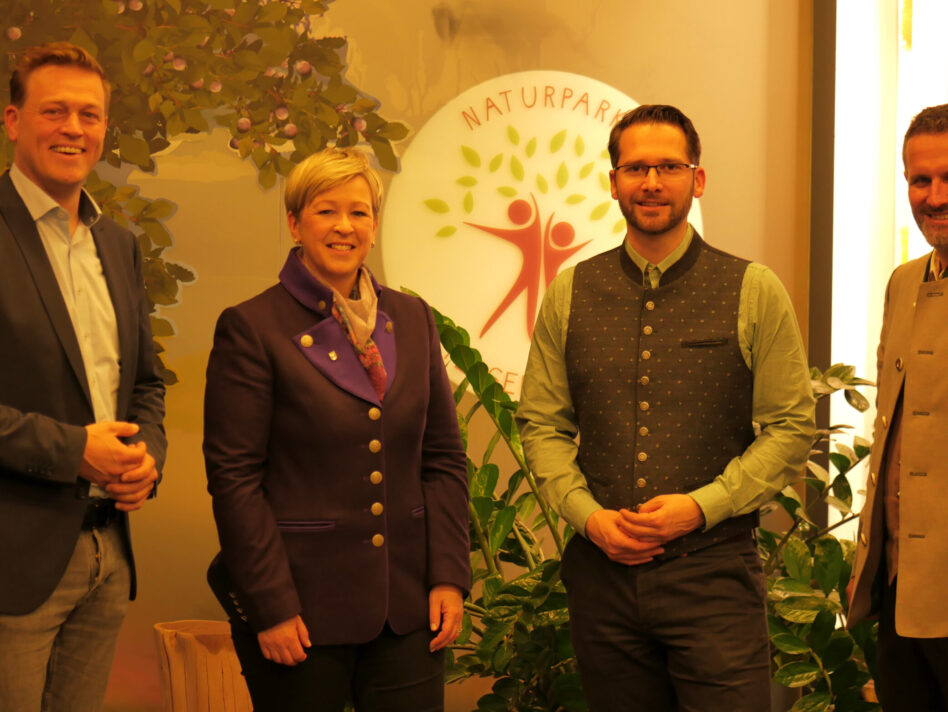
[356, 316]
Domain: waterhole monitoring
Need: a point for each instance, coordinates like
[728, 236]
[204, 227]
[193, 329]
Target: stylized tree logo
[544, 242]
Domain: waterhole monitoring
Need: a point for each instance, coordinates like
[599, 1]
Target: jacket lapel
[23, 231]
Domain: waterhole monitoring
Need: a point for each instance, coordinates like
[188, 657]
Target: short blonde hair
[61, 54]
[326, 169]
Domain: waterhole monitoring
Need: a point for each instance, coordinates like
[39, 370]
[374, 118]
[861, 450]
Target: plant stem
[489, 450]
[531, 562]
[827, 530]
[772, 559]
[482, 540]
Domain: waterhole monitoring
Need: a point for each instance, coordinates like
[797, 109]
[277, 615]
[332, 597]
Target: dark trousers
[392, 673]
[913, 672]
[684, 635]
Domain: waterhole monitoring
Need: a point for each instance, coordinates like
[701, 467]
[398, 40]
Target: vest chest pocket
[703, 343]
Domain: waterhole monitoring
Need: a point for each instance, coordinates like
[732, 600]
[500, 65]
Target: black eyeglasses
[668, 171]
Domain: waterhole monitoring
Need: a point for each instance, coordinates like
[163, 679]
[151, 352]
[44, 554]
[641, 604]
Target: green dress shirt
[783, 404]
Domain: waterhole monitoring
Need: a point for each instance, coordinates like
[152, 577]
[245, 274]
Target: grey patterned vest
[661, 391]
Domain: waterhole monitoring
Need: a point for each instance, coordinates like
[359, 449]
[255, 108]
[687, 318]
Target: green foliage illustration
[183, 66]
[513, 174]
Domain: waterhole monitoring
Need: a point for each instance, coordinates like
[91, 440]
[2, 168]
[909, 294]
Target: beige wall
[739, 68]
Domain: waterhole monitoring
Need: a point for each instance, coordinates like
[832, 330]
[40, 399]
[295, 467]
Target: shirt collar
[672, 258]
[39, 203]
[933, 273]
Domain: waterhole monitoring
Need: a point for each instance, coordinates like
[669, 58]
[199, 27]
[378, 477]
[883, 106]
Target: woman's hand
[284, 642]
[446, 612]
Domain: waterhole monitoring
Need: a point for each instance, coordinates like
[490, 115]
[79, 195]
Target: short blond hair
[326, 169]
[60, 54]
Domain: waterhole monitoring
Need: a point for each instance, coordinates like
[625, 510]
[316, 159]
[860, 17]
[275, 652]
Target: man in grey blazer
[81, 401]
[902, 548]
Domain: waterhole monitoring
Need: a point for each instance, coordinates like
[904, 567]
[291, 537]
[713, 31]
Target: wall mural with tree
[186, 66]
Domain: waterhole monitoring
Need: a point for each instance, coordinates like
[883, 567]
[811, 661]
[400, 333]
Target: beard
[675, 214]
[936, 235]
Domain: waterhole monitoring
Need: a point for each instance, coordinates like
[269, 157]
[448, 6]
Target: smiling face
[655, 206]
[59, 129]
[926, 170]
[336, 230]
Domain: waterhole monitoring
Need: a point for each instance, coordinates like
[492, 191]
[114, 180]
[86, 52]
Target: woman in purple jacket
[336, 469]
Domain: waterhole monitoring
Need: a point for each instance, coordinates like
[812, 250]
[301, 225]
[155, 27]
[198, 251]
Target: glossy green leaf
[797, 674]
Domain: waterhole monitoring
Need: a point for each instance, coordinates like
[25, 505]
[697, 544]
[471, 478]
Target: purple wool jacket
[331, 503]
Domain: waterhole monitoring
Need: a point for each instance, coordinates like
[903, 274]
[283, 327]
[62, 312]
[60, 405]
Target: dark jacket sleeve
[238, 406]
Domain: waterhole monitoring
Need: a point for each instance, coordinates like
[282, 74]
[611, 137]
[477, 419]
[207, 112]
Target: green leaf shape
[556, 143]
[562, 175]
[495, 162]
[789, 643]
[599, 212]
[513, 136]
[484, 480]
[159, 209]
[804, 609]
[821, 629]
[446, 231]
[134, 150]
[468, 203]
[542, 185]
[575, 198]
[507, 191]
[160, 327]
[516, 168]
[471, 156]
[838, 650]
[530, 148]
[467, 181]
[620, 226]
[579, 146]
[501, 527]
[814, 702]
[604, 182]
[436, 205]
[586, 169]
[827, 563]
[797, 674]
[797, 560]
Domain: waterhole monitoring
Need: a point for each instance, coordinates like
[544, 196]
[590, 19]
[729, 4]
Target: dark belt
[100, 513]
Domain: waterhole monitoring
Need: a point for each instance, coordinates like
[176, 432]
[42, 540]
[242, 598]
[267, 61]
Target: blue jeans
[58, 657]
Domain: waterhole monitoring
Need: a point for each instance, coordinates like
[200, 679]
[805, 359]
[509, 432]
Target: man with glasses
[661, 354]
[903, 534]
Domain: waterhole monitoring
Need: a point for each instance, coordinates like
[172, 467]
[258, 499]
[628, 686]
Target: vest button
[885, 422]
[642, 457]
[321, 305]
[378, 540]
[898, 364]
[646, 330]
[375, 445]
[643, 431]
[640, 482]
[376, 477]
[376, 508]
[650, 305]
[306, 341]
[389, 326]
[646, 355]
[643, 381]
[862, 538]
[374, 413]
[643, 405]
[872, 476]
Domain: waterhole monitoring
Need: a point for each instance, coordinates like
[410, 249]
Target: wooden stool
[199, 668]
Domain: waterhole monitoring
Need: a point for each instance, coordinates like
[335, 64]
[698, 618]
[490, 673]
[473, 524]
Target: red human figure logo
[544, 252]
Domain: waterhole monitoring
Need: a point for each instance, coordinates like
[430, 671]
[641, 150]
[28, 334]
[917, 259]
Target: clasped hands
[635, 537]
[126, 472]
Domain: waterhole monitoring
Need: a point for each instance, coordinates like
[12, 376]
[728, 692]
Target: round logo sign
[501, 189]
